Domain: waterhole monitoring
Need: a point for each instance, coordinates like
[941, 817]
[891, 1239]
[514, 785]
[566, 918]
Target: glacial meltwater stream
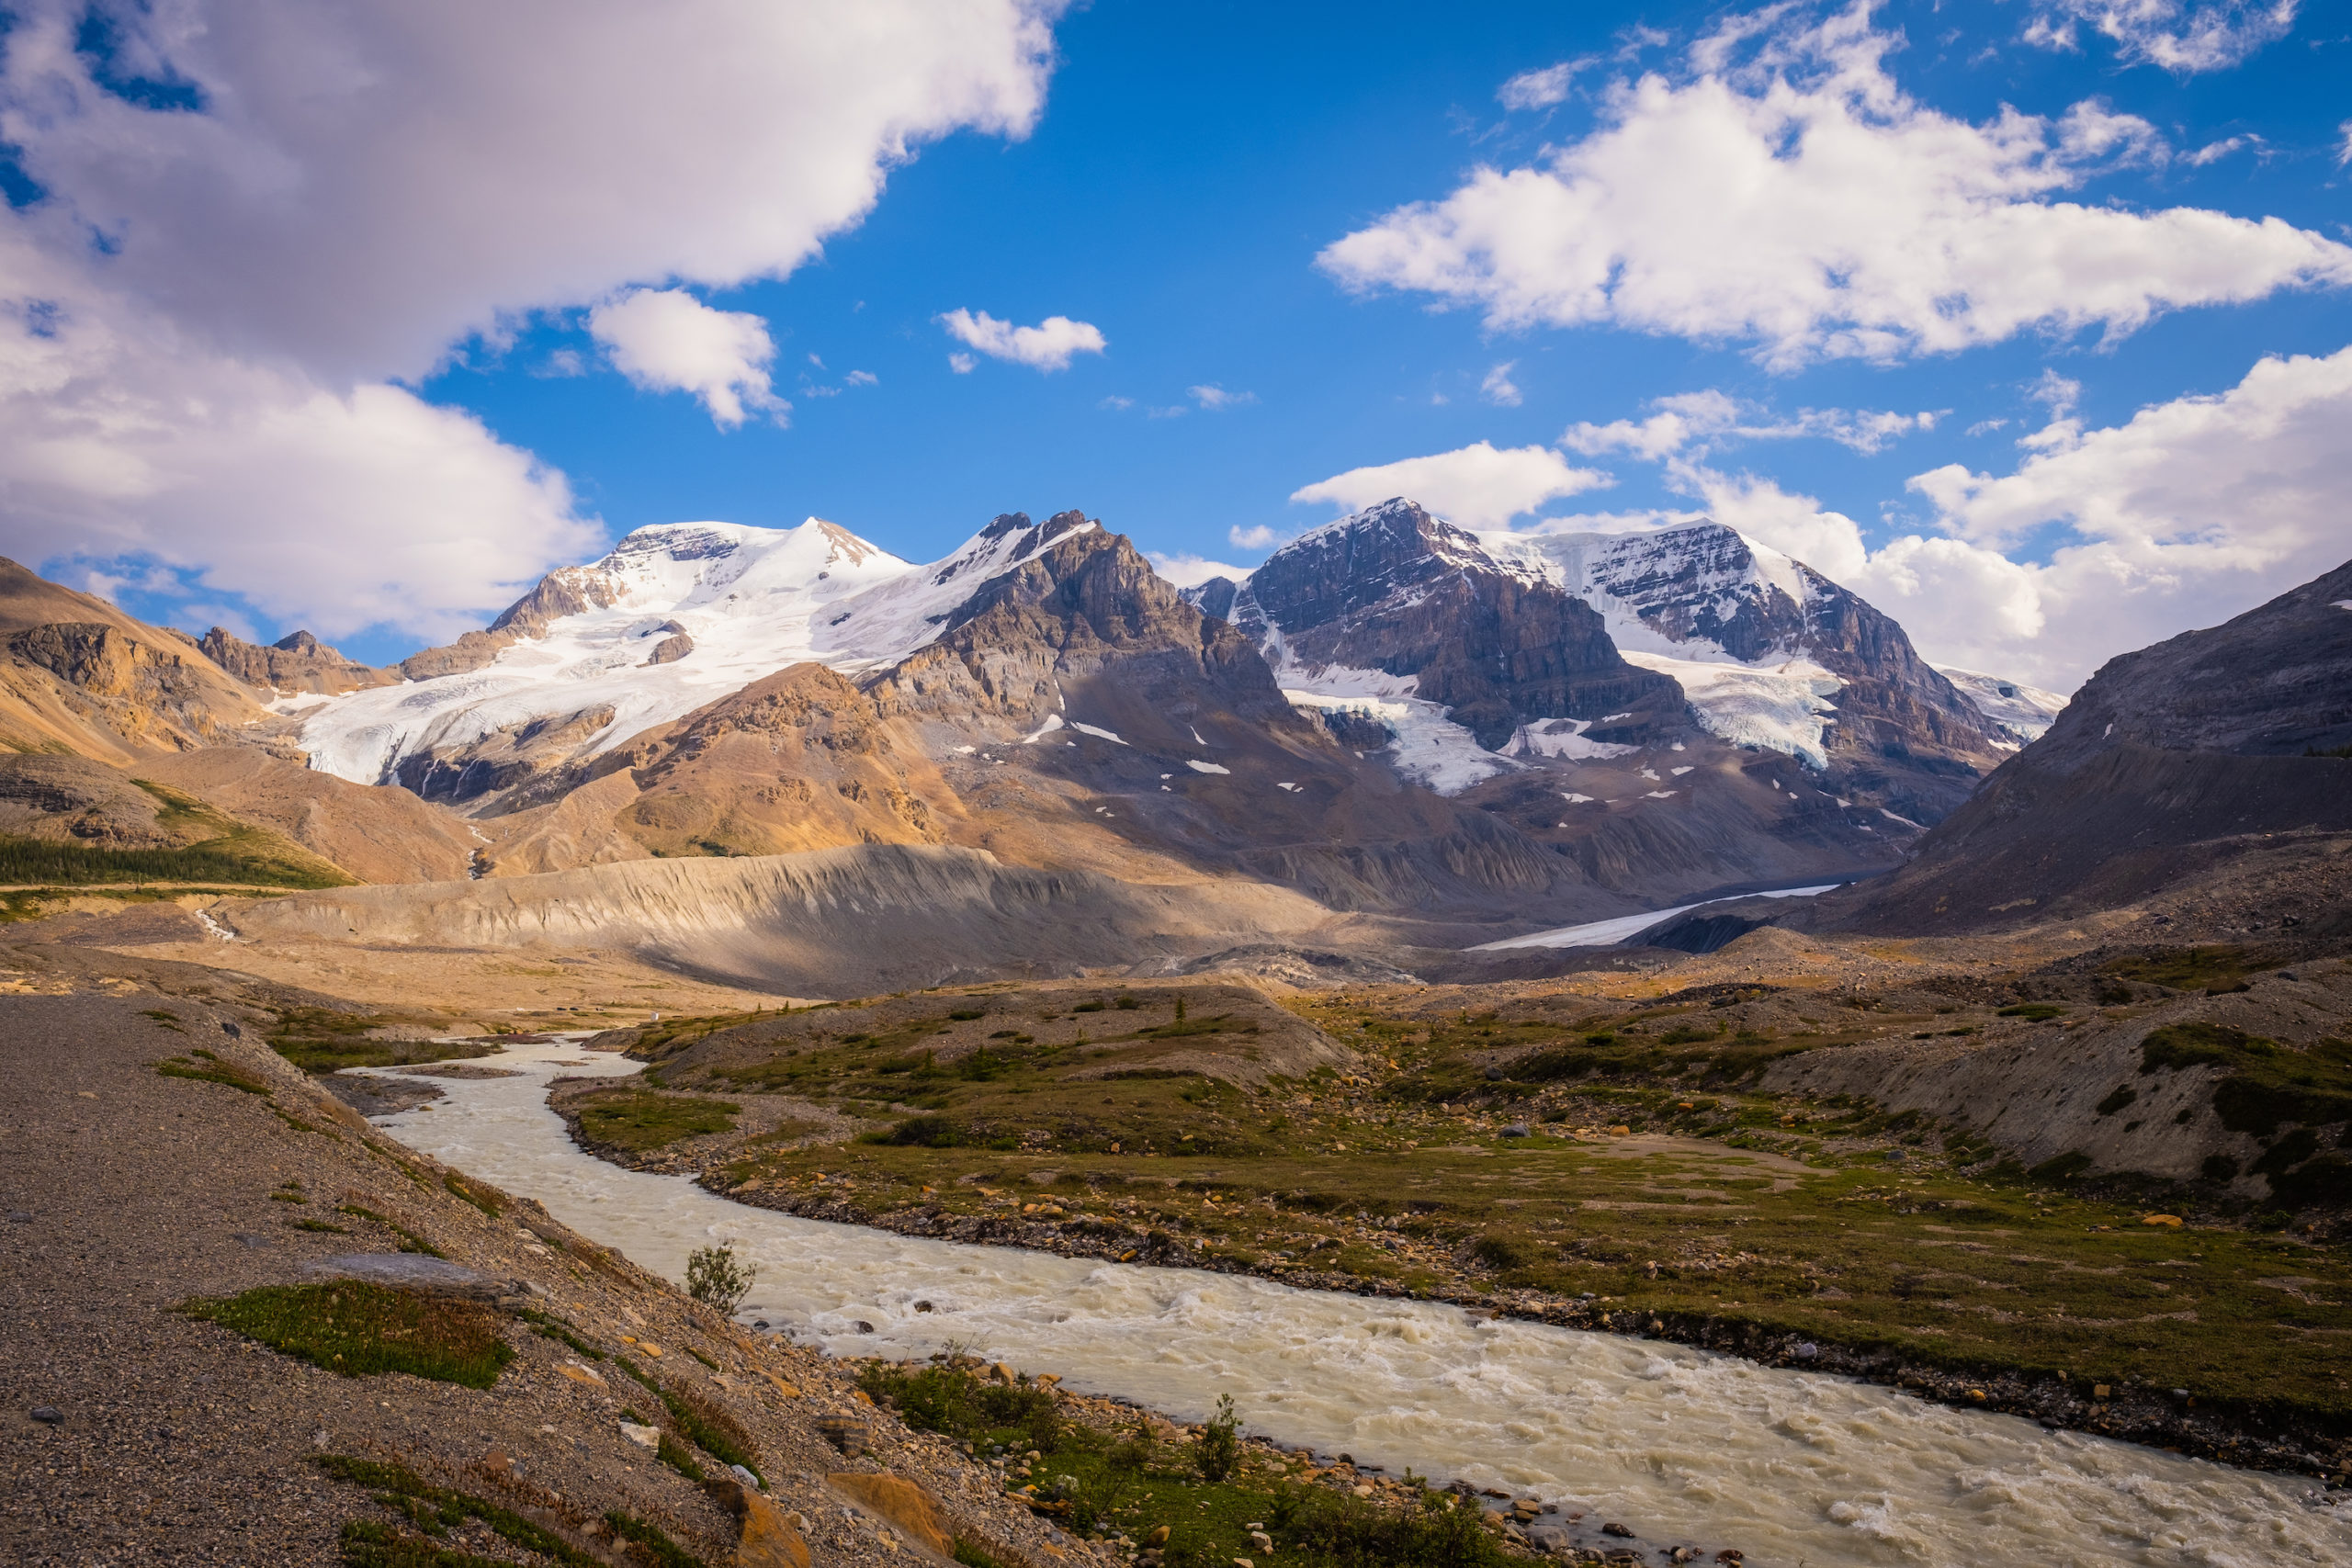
[1794, 1468]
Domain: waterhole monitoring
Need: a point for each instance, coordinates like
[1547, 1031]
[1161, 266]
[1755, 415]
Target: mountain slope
[2170, 764]
[78, 675]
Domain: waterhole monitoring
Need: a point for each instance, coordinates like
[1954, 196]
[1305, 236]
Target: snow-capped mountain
[2026, 712]
[1488, 652]
[675, 616]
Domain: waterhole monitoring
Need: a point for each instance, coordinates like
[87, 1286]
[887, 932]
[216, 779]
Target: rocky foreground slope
[180, 1164]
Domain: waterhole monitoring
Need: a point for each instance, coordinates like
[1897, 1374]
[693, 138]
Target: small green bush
[715, 1279]
[1217, 1453]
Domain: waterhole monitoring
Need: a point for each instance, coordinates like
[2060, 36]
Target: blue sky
[1181, 173]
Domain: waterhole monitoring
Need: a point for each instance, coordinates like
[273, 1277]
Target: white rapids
[1680, 1444]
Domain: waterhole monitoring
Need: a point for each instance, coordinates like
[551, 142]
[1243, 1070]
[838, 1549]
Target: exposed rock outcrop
[299, 662]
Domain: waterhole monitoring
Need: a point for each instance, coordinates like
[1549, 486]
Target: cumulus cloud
[665, 340]
[1781, 189]
[1478, 486]
[1689, 422]
[1188, 570]
[334, 196]
[1049, 345]
[2193, 511]
[1256, 538]
[2167, 33]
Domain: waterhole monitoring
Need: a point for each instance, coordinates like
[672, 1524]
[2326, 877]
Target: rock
[902, 1502]
[1808, 1350]
[864, 1326]
[1158, 1538]
[643, 1437]
[771, 1539]
[847, 1433]
[1494, 1075]
[579, 1374]
[1516, 1130]
[252, 1238]
[415, 1272]
[20, 1217]
[47, 1415]
[1613, 1527]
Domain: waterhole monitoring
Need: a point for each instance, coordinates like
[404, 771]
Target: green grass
[410, 1240]
[323, 1040]
[221, 849]
[358, 1329]
[205, 1067]
[2216, 967]
[638, 1120]
[651, 1543]
[433, 1509]
[1090, 1479]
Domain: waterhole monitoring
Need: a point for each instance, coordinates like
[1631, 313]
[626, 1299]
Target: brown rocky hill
[2216, 749]
[78, 675]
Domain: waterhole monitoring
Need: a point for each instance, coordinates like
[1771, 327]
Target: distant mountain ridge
[1566, 647]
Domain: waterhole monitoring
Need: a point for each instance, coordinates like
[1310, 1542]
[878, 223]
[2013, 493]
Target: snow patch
[1576, 799]
[1560, 737]
[1205, 767]
[1783, 707]
[2025, 711]
[1097, 731]
[1608, 933]
[1429, 747]
[1052, 722]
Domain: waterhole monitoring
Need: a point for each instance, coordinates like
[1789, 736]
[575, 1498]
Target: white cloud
[2214, 151]
[862, 378]
[1541, 89]
[2192, 512]
[368, 184]
[1049, 345]
[1216, 399]
[2343, 152]
[665, 340]
[2167, 33]
[1187, 571]
[1783, 190]
[1116, 404]
[1690, 422]
[1498, 388]
[962, 363]
[1477, 486]
[1257, 537]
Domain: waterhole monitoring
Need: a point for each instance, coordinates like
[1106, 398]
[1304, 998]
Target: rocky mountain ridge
[2214, 750]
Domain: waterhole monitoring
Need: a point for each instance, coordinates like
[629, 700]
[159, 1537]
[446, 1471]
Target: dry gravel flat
[123, 1193]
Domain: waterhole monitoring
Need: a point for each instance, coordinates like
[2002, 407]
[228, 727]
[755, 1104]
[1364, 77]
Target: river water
[1794, 1468]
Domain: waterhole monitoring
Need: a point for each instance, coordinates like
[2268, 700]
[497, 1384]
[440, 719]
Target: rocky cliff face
[300, 662]
[2170, 765]
[1398, 592]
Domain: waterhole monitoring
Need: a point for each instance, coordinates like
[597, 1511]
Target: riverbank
[1677, 1203]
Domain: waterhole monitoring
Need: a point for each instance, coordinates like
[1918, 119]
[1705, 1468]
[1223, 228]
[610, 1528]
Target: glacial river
[1684, 1446]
